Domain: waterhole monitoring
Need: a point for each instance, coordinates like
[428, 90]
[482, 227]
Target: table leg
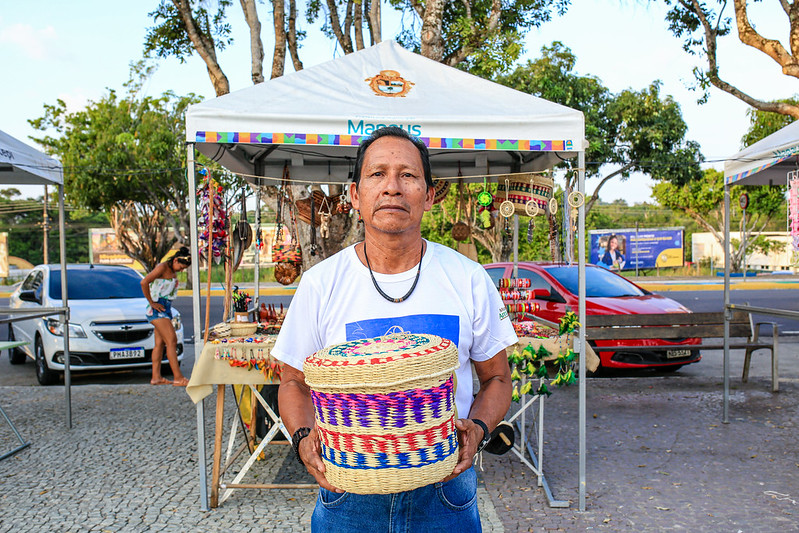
[218, 430]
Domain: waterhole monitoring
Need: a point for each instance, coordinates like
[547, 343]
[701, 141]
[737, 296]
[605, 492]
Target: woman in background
[613, 257]
[160, 287]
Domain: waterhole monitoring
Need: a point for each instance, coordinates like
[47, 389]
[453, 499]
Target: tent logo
[389, 83]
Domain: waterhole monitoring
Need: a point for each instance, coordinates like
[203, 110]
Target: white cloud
[34, 43]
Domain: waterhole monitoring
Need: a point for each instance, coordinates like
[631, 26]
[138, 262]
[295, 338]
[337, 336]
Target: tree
[110, 150]
[703, 200]
[703, 24]
[764, 123]
[637, 131]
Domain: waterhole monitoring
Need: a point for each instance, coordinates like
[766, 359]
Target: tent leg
[581, 313]
[725, 411]
[197, 334]
[62, 246]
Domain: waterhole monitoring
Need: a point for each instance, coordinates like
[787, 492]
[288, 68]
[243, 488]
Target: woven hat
[441, 188]
[385, 411]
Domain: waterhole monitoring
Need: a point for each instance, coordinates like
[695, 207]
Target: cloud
[34, 43]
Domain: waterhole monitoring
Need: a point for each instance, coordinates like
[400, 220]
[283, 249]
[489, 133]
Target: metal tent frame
[21, 164]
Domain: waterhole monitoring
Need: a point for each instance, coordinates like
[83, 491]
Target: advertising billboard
[626, 249]
[4, 254]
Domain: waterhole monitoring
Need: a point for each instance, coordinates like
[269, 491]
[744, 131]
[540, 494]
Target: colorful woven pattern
[385, 411]
[520, 191]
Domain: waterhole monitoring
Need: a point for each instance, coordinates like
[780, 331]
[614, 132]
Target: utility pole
[45, 225]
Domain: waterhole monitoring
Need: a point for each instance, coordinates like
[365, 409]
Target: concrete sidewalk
[658, 459]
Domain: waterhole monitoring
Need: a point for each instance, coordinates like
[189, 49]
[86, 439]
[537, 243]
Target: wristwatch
[486, 434]
[298, 435]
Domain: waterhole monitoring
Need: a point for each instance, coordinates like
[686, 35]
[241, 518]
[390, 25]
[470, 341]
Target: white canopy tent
[21, 164]
[766, 162]
[312, 121]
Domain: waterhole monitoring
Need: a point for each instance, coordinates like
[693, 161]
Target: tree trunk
[205, 46]
[292, 37]
[279, 57]
[256, 45]
[431, 35]
[141, 232]
[374, 17]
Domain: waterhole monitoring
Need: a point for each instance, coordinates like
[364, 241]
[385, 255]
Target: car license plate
[670, 354]
[126, 353]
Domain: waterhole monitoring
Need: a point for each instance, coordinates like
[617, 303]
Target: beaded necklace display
[383, 294]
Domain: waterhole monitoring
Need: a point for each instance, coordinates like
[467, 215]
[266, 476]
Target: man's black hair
[392, 131]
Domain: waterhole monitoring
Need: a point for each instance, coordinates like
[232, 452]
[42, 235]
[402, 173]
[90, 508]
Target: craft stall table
[555, 345]
[217, 366]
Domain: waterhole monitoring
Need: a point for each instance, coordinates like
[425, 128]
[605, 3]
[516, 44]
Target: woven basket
[524, 189]
[242, 329]
[385, 411]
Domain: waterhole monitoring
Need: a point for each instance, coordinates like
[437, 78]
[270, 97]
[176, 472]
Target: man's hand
[469, 437]
[310, 449]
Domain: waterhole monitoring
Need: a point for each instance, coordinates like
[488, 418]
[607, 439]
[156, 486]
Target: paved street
[658, 459]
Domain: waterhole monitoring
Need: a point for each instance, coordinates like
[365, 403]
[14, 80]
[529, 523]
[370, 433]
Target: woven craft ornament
[385, 411]
[520, 191]
[441, 188]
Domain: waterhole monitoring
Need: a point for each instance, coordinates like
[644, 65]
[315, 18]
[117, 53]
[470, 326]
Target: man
[397, 281]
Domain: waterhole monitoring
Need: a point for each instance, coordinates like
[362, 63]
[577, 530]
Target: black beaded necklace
[383, 294]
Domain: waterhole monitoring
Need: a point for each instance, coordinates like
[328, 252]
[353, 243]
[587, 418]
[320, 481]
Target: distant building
[705, 246]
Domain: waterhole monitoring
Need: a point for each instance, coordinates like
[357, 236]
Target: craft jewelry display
[385, 411]
[250, 353]
[208, 192]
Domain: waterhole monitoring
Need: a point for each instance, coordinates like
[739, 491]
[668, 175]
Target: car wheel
[15, 355]
[43, 372]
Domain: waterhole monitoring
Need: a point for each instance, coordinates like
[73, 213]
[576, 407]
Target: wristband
[298, 435]
[486, 434]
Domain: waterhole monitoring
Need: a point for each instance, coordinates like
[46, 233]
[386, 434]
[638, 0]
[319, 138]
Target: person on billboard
[613, 258]
[160, 287]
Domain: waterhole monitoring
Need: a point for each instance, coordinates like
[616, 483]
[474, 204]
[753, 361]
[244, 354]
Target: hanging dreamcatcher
[485, 202]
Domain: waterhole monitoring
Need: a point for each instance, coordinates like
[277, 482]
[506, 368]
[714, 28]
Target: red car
[607, 293]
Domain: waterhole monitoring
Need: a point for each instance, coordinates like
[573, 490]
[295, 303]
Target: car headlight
[56, 327]
[176, 323]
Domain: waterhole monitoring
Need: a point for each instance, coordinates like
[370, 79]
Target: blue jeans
[450, 506]
[152, 314]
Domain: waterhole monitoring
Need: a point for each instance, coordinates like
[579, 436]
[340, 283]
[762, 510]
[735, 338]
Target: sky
[75, 51]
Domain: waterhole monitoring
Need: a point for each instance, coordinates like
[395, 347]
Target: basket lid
[381, 361]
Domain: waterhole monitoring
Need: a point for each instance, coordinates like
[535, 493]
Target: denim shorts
[152, 314]
[432, 508]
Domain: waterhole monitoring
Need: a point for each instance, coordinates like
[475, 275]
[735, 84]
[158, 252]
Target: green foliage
[169, 36]
[642, 129]
[114, 145]
[468, 26]
[703, 200]
[762, 123]
[23, 220]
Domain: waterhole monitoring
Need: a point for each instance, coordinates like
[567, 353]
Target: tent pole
[515, 246]
[725, 417]
[195, 306]
[581, 312]
[257, 292]
[62, 247]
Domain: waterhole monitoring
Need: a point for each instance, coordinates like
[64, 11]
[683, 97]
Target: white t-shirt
[455, 298]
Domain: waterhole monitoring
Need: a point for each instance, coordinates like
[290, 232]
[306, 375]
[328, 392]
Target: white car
[107, 326]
